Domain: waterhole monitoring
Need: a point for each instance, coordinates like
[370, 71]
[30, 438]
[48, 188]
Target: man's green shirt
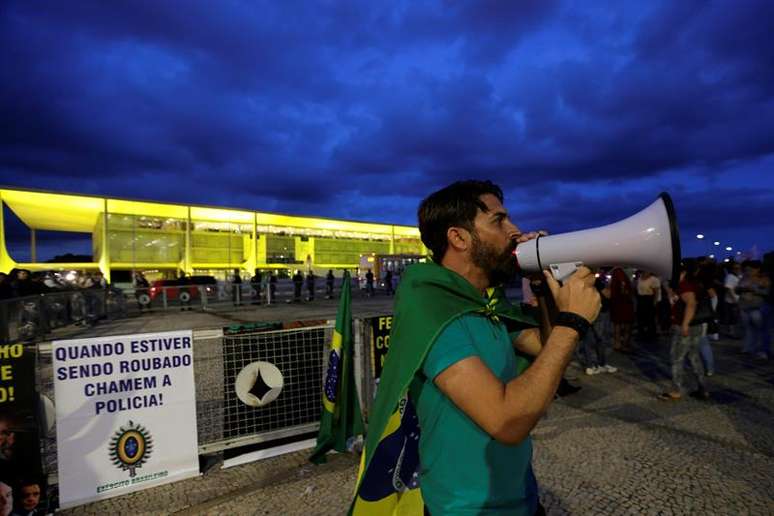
[463, 469]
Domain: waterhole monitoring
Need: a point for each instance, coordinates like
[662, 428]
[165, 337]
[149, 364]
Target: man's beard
[499, 266]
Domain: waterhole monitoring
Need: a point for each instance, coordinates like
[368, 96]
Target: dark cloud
[354, 109]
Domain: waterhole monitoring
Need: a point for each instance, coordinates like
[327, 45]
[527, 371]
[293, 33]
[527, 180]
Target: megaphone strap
[537, 252]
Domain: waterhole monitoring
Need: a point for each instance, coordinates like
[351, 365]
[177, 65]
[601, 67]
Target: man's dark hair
[454, 205]
[30, 481]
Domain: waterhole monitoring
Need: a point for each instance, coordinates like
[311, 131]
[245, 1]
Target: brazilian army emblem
[130, 447]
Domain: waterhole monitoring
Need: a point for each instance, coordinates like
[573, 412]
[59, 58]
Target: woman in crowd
[752, 290]
[621, 310]
[688, 320]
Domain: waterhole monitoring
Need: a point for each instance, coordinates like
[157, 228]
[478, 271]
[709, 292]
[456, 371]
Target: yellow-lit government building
[172, 238]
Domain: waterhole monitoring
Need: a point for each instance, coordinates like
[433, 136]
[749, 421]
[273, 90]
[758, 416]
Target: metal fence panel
[299, 355]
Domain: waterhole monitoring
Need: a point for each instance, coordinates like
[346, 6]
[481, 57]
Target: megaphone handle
[547, 307]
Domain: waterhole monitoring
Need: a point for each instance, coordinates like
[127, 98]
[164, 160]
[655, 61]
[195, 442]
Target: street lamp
[716, 242]
[729, 248]
[699, 236]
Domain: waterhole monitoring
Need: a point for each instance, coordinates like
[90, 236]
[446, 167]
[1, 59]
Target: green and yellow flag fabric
[429, 298]
[341, 418]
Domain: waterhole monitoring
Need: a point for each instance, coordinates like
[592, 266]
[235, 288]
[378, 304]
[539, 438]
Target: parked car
[190, 289]
[172, 289]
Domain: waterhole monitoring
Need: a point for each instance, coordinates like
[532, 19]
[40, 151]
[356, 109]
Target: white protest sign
[125, 414]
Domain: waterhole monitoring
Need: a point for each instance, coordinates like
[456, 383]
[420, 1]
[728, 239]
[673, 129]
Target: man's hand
[578, 294]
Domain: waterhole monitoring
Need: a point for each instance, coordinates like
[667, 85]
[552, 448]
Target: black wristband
[574, 321]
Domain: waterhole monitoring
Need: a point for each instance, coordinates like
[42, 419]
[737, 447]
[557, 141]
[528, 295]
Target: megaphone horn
[648, 240]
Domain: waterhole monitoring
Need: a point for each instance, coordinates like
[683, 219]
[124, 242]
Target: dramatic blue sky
[583, 111]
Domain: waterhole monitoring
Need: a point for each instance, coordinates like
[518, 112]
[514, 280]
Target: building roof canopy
[55, 212]
[79, 213]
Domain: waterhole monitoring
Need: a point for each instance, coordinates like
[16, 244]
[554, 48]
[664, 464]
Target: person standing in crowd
[236, 288]
[595, 341]
[687, 331]
[753, 289]
[329, 282]
[648, 292]
[705, 277]
[271, 292]
[22, 284]
[732, 315]
[310, 279]
[256, 282]
[88, 285]
[298, 283]
[141, 293]
[388, 283]
[369, 283]
[100, 280]
[664, 309]
[713, 331]
[621, 310]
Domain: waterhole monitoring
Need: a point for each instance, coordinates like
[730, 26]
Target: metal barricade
[300, 355]
[32, 318]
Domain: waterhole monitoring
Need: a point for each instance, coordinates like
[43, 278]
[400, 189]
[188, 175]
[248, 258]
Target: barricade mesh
[299, 355]
[208, 378]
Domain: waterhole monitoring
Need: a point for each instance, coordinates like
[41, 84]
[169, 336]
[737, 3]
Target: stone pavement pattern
[613, 448]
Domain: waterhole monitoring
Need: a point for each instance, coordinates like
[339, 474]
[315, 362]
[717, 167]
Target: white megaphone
[648, 240]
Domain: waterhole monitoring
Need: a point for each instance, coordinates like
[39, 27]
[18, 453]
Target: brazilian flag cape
[428, 299]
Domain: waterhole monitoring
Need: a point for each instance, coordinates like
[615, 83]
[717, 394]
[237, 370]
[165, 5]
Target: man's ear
[458, 238]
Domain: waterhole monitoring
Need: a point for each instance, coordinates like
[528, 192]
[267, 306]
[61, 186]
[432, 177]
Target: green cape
[428, 299]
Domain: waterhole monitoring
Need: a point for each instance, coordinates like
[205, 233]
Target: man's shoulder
[470, 326]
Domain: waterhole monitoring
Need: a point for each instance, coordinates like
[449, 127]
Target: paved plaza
[612, 448]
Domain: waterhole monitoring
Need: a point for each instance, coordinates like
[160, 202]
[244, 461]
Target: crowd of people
[23, 283]
[35, 303]
[264, 285]
[639, 310]
[733, 299]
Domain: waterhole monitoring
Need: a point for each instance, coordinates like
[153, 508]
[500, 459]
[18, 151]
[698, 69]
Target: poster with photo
[21, 477]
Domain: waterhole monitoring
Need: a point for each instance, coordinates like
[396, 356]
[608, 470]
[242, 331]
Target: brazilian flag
[429, 298]
[341, 418]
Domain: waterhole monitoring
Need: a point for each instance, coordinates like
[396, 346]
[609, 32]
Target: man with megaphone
[452, 371]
